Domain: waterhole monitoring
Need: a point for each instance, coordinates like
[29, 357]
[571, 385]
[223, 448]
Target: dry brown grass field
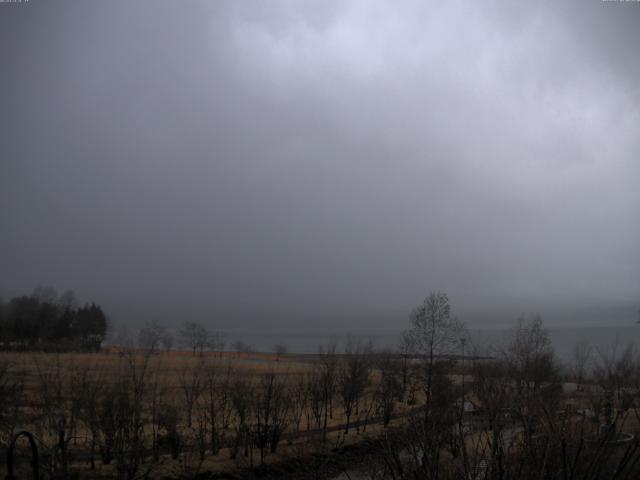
[134, 414]
[182, 413]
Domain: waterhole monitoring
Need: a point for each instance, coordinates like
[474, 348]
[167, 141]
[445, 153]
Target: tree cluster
[521, 423]
[46, 321]
[135, 410]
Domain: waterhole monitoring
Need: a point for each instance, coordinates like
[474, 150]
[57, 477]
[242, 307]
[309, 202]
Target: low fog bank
[486, 313]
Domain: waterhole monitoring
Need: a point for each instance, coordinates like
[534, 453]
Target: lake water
[562, 338]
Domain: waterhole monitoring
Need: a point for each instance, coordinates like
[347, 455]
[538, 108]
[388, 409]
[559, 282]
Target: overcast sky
[174, 159]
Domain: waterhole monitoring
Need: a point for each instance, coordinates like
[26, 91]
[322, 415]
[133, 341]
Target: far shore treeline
[47, 321]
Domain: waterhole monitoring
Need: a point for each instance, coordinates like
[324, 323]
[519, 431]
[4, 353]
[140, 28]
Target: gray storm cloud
[210, 158]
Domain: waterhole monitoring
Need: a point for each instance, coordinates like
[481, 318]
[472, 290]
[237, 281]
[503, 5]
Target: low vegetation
[437, 408]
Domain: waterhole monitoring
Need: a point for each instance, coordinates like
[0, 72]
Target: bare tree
[168, 420]
[615, 370]
[11, 397]
[533, 443]
[270, 407]
[327, 370]
[215, 424]
[315, 395]
[405, 351]
[217, 341]
[389, 388]
[582, 355]
[241, 395]
[241, 347]
[280, 350]
[225, 400]
[192, 383]
[151, 336]
[299, 401]
[530, 356]
[195, 336]
[157, 391]
[433, 334]
[130, 434]
[91, 391]
[353, 378]
[532, 368]
[58, 409]
[494, 389]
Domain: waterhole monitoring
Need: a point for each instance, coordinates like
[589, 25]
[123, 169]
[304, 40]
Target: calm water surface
[562, 338]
